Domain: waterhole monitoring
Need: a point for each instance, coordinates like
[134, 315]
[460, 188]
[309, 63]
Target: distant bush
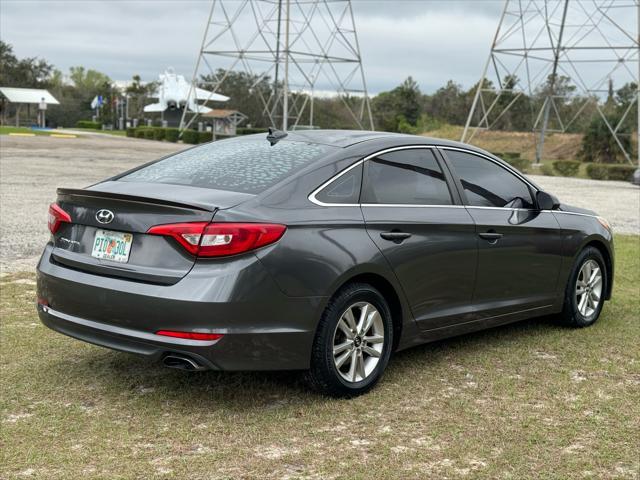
[190, 136]
[510, 155]
[131, 132]
[547, 170]
[204, 137]
[159, 133]
[597, 171]
[621, 172]
[567, 168]
[250, 131]
[171, 134]
[88, 124]
[149, 133]
[140, 132]
[518, 163]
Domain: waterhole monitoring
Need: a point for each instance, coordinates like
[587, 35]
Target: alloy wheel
[589, 288]
[358, 342]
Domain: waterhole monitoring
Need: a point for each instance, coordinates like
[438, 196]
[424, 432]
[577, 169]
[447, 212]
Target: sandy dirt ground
[31, 168]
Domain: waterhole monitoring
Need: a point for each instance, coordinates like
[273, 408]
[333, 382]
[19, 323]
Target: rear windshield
[240, 165]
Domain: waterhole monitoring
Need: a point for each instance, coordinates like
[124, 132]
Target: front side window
[239, 165]
[405, 177]
[487, 184]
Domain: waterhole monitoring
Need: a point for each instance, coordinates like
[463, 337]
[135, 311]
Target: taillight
[190, 335]
[221, 239]
[56, 216]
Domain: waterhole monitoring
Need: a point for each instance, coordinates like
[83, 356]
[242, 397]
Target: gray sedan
[324, 250]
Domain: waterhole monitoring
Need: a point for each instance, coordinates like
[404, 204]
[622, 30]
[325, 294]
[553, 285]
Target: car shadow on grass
[116, 374]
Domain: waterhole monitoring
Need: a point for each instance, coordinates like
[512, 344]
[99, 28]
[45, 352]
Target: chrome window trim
[572, 213]
[409, 205]
[312, 196]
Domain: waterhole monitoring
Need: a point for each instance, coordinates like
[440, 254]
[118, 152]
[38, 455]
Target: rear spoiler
[180, 196]
[78, 192]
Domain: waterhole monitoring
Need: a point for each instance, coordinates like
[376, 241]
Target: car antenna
[274, 136]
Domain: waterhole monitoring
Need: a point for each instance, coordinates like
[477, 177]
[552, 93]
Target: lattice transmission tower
[595, 43]
[304, 49]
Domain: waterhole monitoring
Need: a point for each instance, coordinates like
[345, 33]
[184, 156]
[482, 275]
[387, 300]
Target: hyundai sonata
[322, 250]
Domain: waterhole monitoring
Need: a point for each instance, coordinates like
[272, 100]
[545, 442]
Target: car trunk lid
[134, 208]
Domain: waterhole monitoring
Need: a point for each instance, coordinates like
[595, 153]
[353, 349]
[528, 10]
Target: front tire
[584, 296]
[353, 342]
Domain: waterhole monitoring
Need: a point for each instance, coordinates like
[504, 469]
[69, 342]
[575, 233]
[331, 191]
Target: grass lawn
[530, 400]
[4, 130]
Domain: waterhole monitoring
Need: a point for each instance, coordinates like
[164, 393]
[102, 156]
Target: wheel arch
[399, 310]
[607, 255]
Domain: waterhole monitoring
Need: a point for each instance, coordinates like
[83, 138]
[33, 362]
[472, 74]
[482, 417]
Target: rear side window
[406, 177]
[487, 184]
[344, 189]
[240, 165]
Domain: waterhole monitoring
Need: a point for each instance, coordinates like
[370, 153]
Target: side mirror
[546, 201]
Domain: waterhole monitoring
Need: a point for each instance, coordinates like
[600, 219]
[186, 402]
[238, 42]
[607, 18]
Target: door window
[487, 184]
[405, 177]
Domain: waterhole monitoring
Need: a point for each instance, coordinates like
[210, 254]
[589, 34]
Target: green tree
[24, 73]
[599, 145]
[402, 106]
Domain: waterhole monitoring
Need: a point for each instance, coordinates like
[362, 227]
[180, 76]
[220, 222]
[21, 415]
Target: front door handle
[396, 237]
[491, 236]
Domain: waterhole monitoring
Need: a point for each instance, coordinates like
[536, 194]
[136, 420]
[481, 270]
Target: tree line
[403, 109]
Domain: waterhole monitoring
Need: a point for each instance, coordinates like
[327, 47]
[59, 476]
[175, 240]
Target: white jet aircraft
[173, 92]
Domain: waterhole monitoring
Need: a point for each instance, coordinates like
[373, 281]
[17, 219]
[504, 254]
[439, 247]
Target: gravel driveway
[31, 168]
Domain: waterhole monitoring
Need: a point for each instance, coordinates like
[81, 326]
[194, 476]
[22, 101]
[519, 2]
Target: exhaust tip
[181, 362]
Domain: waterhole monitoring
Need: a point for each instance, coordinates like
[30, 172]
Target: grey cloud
[431, 40]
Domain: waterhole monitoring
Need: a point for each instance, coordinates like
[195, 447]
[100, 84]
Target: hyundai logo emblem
[104, 216]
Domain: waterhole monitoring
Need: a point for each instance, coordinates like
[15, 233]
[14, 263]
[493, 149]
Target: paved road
[32, 167]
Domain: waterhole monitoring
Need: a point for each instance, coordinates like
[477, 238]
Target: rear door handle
[491, 236]
[397, 237]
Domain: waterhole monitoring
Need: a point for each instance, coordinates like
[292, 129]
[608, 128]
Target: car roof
[347, 138]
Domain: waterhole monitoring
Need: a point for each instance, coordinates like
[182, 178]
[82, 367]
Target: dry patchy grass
[557, 146]
[531, 400]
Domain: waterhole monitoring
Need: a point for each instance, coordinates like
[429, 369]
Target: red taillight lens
[221, 239]
[190, 335]
[56, 216]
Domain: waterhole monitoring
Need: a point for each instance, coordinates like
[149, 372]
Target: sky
[431, 40]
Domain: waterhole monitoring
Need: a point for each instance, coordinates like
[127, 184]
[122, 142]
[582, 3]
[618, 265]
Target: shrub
[131, 132]
[250, 131]
[89, 124]
[190, 136]
[149, 133]
[159, 133]
[567, 168]
[597, 171]
[204, 137]
[140, 132]
[620, 172]
[547, 170]
[510, 155]
[171, 134]
[518, 163]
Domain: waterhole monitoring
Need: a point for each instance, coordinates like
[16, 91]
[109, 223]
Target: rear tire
[586, 289]
[353, 342]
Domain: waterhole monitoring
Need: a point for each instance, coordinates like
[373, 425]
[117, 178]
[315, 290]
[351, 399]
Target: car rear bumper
[263, 329]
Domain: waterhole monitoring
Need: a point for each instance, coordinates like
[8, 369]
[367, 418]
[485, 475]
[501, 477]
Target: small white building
[19, 97]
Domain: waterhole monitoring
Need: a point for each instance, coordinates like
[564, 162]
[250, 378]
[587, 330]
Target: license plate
[114, 246]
